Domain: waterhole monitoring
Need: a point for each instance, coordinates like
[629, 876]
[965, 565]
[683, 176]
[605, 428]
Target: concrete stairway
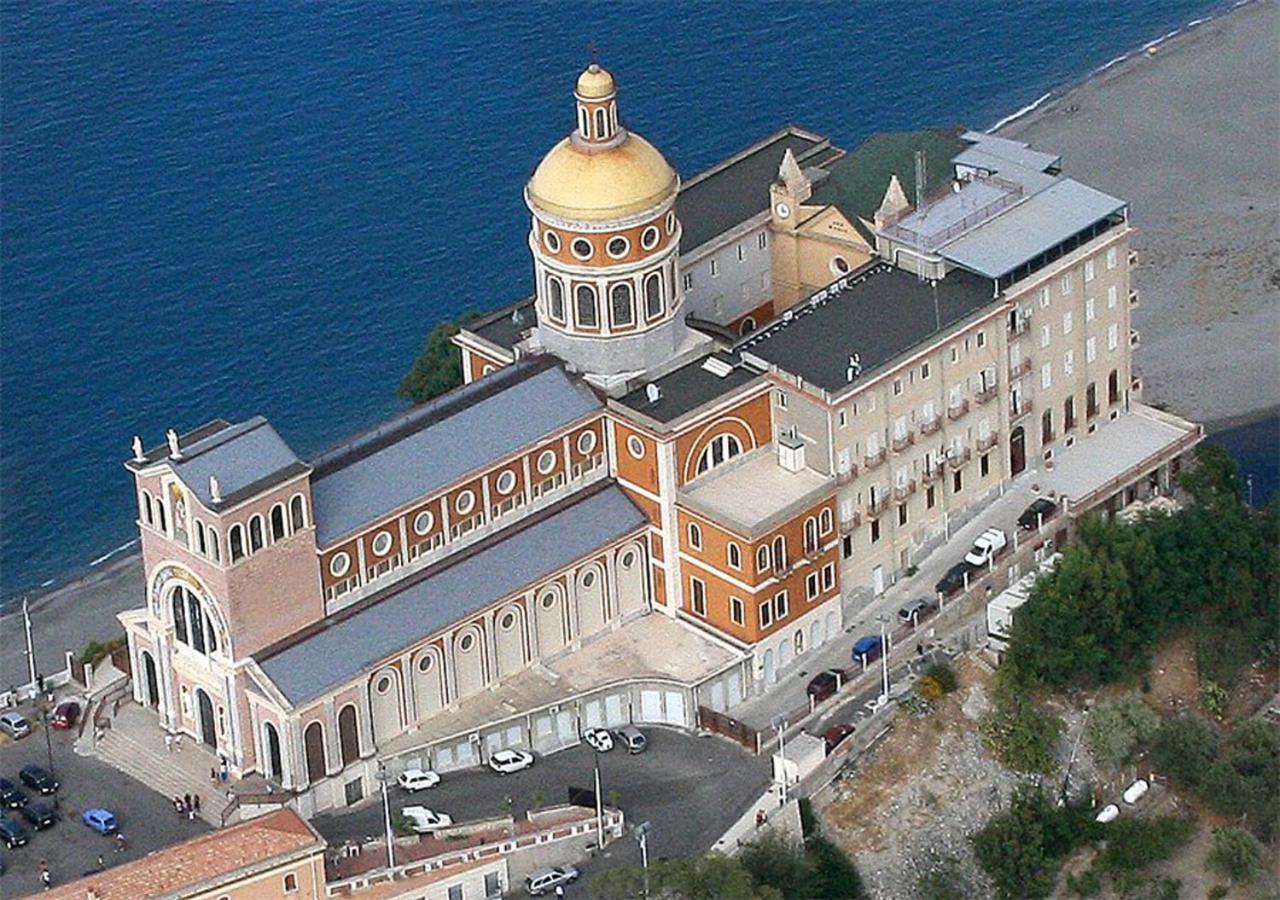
[174, 774]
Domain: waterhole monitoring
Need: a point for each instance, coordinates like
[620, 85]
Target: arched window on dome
[587, 314]
[555, 298]
[620, 305]
[583, 120]
[653, 295]
[602, 130]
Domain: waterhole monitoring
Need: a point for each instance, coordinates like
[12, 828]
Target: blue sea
[216, 209]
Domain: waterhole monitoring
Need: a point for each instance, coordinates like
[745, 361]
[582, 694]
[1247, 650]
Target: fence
[719, 723]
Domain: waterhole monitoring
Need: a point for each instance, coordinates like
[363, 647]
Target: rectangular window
[982, 339]
[1044, 296]
[766, 614]
[956, 483]
[897, 386]
[1045, 334]
[811, 585]
[1068, 322]
[984, 465]
[1046, 376]
[1088, 271]
[844, 418]
[1090, 310]
[1113, 294]
[924, 371]
[698, 596]
[875, 530]
[455, 892]
[742, 253]
[737, 612]
[902, 514]
[1090, 350]
[782, 400]
[1066, 283]
[763, 240]
[846, 546]
[828, 576]
[1069, 363]
[780, 606]
[955, 355]
[1113, 257]
[687, 280]
[715, 268]
[930, 497]
[1113, 337]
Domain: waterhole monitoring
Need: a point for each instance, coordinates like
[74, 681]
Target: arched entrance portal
[151, 681]
[208, 731]
[1017, 450]
[275, 767]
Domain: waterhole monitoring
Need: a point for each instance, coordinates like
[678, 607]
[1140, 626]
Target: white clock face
[782, 210]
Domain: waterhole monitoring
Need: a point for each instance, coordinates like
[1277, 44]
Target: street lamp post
[383, 777]
[642, 836]
[599, 805]
[884, 661]
[780, 725]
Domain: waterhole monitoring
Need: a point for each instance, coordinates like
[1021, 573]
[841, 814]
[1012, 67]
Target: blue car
[867, 649]
[100, 820]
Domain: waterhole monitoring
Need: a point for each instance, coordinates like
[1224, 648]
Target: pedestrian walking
[760, 817]
[177, 742]
[186, 803]
[102, 863]
[559, 890]
[168, 742]
[46, 879]
[195, 803]
[213, 775]
[177, 805]
[121, 843]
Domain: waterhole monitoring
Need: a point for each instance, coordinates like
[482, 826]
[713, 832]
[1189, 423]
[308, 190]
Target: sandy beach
[1188, 135]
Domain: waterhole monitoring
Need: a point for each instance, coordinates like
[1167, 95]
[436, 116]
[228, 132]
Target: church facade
[731, 411]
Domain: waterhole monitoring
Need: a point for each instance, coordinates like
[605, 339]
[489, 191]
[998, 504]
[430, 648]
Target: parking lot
[691, 788]
[71, 849]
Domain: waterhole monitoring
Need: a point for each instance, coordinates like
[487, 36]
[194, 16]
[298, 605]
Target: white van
[632, 738]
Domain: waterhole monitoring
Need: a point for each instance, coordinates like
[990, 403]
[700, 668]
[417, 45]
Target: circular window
[546, 462]
[338, 564]
[468, 641]
[548, 600]
[506, 482]
[582, 248]
[551, 241]
[384, 685]
[588, 579]
[649, 238]
[671, 222]
[508, 621]
[382, 543]
[628, 559]
[426, 662]
[782, 210]
[423, 521]
[617, 247]
[465, 502]
[635, 447]
[839, 265]
[586, 442]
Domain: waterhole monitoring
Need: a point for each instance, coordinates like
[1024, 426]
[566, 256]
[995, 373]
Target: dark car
[38, 779]
[867, 649]
[12, 833]
[1033, 515]
[66, 715]
[824, 684]
[834, 735]
[40, 815]
[914, 612]
[954, 579]
[11, 796]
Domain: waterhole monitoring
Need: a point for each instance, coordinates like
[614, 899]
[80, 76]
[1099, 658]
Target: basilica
[731, 410]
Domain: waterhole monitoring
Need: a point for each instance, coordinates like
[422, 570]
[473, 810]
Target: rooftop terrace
[753, 494]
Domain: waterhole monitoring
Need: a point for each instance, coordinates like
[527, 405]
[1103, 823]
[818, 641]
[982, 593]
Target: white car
[598, 739]
[424, 820]
[988, 544]
[504, 762]
[545, 880]
[417, 779]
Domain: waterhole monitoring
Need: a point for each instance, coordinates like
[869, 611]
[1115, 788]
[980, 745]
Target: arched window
[586, 310]
[148, 512]
[202, 546]
[1046, 427]
[236, 536]
[582, 122]
[762, 558]
[348, 734]
[695, 536]
[255, 534]
[215, 549]
[779, 553]
[195, 621]
[1113, 393]
[653, 295]
[810, 535]
[179, 616]
[722, 448]
[601, 130]
[162, 521]
[734, 554]
[277, 522]
[313, 740]
[748, 325]
[826, 521]
[211, 636]
[620, 303]
[297, 513]
[555, 298]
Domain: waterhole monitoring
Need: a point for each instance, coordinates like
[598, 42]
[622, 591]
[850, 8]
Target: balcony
[902, 442]
[846, 477]
[871, 460]
[1133, 258]
[851, 524]
[982, 398]
[1021, 325]
[931, 475]
[932, 426]
[1133, 299]
[903, 491]
[1135, 339]
[1022, 368]
[1020, 410]
[958, 458]
[958, 410]
[876, 507]
[987, 442]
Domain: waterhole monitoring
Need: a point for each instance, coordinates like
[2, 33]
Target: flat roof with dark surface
[692, 385]
[883, 313]
[356, 639]
[501, 328]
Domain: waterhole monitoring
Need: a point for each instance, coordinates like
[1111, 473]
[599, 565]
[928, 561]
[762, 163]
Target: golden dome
[595, 83]
[597, 183]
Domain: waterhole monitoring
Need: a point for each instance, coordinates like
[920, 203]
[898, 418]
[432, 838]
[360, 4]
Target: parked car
[836, 734]
[914, 612]
[953, 580]
[66, 715]
[15, 725]
[632, 738]
[424, 821]
[824, 684]
[1039, 510]
[543, 880]
[985, 548]
[11, 796]
[100, 820]
[417, 779]
[598, 739]
[38, 779]
[504, 762]
[40, 815]
[12, 832]
[867, 649]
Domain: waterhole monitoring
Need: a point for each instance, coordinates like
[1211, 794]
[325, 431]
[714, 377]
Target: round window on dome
[586, 442]
[551, 241]
[635, 447]
[649, 238]
[671, 222]
[506, 482]
[546, 462]
[582, 248]
[466, 500]
[382, 543]
[338, 564]
[423, 521]
[617, 247]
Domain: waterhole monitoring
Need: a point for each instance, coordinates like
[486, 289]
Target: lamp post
[599, 804]
[383, 777]
[780, 726]
[642, 836]
[884, 660]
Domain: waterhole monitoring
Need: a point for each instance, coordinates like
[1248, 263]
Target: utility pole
[599, 806]
[383, 777]
[884, 662]
[642, 836]
[31, 648]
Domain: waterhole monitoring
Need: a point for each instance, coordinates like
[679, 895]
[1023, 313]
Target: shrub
[1086, 884]
[808, 821]
[946, 882]
[1213, 698]
[1235, 853]
[928, 687]
[401, 826]
[1019, 734]
[833, 874]
[1117, 726]
[1134, 843]
[1020, 848]
[944, 675]
[817, 868]
[438, 368]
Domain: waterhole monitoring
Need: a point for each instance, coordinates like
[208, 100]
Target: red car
[835, 735]
[65, 715]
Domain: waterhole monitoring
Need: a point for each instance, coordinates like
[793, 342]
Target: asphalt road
[71, 849]
[690, 788]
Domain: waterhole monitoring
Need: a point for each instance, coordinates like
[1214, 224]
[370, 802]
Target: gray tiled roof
[437, 443]
[351, 645]
[1017, 152]
[247, 453]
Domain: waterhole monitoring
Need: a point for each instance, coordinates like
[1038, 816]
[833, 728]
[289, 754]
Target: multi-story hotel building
[730, 413]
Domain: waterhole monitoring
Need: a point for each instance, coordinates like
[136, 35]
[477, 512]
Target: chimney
[791, 453]
[138, 455]
[175, 452]
[215, 489]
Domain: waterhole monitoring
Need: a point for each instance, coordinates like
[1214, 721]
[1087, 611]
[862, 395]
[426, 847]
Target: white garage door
[615, 712]
[592, 714]
[651, 706]
[675, 708]
[735, 689]
[717, 696]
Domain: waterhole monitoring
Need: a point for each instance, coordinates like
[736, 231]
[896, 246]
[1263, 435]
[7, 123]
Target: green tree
[1235, 853]
[1019, 734]
[834, 875]
[438, 368]
[1134, 843]
[1117, 726]
[1021, 848]
[815, 868]
[711, 876]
